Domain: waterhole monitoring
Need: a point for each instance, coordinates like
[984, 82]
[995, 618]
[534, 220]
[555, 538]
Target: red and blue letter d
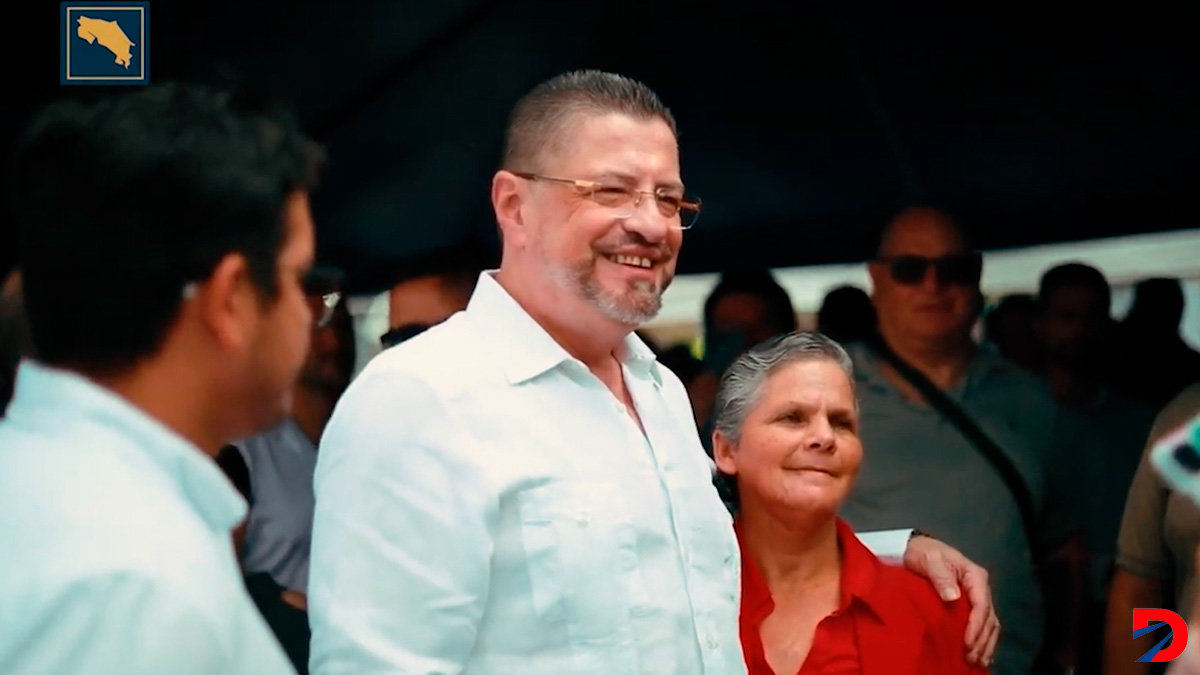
[1148, 619]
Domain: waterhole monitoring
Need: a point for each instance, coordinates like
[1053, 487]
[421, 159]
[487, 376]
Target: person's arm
[1145, 566]
[1128, 591]
[887, 545]
[953, 625]
[1188, 663]
[949, 570]
[402, 535]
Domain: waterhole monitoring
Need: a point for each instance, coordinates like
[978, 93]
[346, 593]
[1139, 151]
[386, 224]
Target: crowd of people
[520, 482]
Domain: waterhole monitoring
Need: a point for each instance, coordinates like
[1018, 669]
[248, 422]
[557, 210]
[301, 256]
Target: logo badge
[1149, 620]
[104, 43]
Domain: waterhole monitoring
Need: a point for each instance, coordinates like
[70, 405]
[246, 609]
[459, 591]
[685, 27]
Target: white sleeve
[402, 535]
[125, 623]
[887, 545]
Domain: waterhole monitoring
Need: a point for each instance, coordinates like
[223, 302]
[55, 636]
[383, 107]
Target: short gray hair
[742, 383]
[539, 118]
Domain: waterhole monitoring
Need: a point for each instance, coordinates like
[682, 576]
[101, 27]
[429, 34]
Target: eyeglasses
[625, 200]
[962, 269]
[324, 315]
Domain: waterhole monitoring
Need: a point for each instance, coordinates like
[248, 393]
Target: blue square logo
[104, 43]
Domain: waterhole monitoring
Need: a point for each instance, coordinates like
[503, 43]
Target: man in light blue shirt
[166, 233]
[520, 489]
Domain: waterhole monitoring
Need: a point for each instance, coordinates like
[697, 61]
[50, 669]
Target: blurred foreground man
[520, 489]
[165, 236]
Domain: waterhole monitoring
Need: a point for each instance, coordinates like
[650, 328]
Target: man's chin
[632, 310]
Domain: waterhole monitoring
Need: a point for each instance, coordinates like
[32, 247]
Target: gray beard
[640, 303]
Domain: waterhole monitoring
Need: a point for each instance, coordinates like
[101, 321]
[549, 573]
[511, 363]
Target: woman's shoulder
[908, 589]
[913, 599]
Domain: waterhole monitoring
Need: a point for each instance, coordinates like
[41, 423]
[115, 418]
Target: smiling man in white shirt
[521, 488]
[165, 232]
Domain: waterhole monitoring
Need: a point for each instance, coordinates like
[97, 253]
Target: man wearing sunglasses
[922, 470]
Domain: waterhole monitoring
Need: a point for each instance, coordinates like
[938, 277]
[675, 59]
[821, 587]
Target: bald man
[919, 469]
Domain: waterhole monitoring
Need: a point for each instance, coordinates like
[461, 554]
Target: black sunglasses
[962, 269]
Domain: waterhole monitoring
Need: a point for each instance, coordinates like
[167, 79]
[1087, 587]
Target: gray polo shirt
[281, 462]
[919, 471]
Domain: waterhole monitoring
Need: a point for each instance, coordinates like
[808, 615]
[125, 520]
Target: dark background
[802, 128]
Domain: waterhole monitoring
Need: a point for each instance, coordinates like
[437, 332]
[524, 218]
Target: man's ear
[723, 450]
[228, 302]
[876, 271]
[509, 195]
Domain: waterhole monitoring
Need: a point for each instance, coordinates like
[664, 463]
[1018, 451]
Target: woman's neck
[793, 555]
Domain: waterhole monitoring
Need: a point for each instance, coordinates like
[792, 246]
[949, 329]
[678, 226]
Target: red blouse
[889, 621]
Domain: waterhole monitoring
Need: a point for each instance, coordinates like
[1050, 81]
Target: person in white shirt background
[521, 488]
[165, 235]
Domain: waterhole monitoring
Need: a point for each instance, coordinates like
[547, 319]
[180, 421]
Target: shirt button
[710, 641]
[582, 519]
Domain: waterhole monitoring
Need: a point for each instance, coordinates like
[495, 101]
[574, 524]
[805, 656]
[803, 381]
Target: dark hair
[458, 267]
[122, 202]
[846, 314]
[538, 119]
[1158, 304]
[760, 284]
[1076, 275]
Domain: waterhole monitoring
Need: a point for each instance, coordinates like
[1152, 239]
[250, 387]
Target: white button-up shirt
[486, 505]
[117, 555]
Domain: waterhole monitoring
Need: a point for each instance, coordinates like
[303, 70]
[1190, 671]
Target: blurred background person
[746, 307]
[846, 315]
[923, 369]
[1100, 433]
[680, 360]
[165, 233]
[1156, 548]
[274, 471]
[1158, 363]
[427, 291]
[1008, 329]
[814, 599]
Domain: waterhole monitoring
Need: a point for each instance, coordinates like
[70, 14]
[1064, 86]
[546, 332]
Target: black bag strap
[949, 409]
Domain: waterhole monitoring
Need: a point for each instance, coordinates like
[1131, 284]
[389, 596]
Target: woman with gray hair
[814, 599]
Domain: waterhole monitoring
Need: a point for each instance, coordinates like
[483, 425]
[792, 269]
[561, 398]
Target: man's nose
[647, 221]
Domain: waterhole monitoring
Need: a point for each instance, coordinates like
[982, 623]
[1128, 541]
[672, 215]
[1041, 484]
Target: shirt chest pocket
[581, 551]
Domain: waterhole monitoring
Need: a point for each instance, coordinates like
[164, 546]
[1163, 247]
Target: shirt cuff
[887, 545]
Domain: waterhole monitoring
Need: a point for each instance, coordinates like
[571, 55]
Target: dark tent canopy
[801, 129]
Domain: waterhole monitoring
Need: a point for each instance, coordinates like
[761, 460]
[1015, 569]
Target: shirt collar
[857, 583]
[860, 568]
[525, 349]
[49, 398]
